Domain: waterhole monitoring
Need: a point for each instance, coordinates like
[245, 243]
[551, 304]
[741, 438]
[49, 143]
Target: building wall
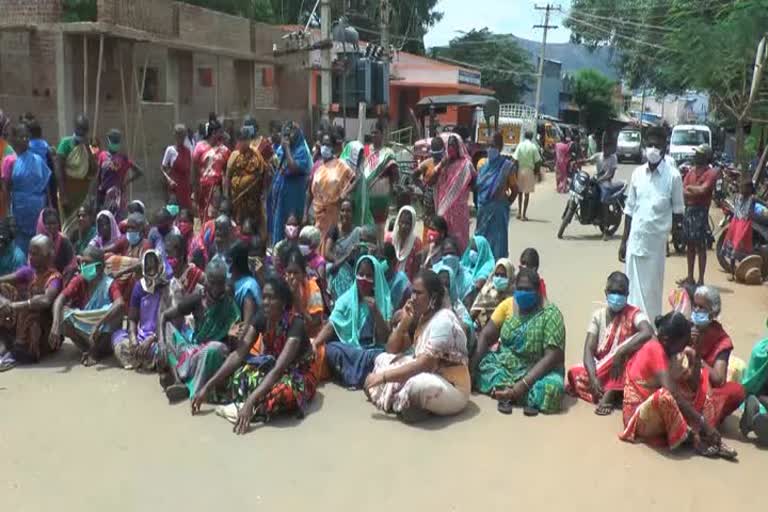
[155, 16]
[202, 26]
[30, 11]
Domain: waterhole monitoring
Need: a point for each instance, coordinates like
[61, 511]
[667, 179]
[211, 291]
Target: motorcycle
[584, 202]
[759, 233]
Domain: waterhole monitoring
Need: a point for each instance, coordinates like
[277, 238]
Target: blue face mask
[473, 256]
[173, 209]
[493, 153]
[326, 152]
[526, 300]
[616, 301]
[700, 318]
[133, 237]
[500, 283]
[452, 262]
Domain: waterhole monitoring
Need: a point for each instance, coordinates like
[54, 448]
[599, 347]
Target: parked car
[686, 137]
[629, 146]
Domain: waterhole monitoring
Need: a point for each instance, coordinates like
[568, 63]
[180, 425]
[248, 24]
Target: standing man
[528, 158]
[698, 186]
[655, 196]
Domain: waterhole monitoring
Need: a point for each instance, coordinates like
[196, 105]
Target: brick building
[140, 66]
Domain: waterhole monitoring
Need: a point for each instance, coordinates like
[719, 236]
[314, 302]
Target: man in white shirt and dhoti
[654, 197]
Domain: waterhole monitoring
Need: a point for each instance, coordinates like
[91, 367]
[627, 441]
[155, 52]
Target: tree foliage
[506, 67]
[593, 93]
[678, 45]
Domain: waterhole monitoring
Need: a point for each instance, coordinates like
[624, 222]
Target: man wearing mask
[654, 197]
[698, 186]
[75, 170]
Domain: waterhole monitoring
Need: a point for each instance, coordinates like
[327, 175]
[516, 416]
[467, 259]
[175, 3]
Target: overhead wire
[615, 33]
[619, 20]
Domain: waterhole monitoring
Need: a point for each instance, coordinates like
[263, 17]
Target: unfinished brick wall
[201, 26]
[30, 11]
[156, 16]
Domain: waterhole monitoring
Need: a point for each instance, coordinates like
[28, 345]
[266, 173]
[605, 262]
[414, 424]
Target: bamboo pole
[125, 103]
[85, 75]
[98, 87]
[139, 99]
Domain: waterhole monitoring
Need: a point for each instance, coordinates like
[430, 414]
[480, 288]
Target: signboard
[469, 77]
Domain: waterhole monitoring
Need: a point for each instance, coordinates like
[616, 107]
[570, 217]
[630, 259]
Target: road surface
[93, 439]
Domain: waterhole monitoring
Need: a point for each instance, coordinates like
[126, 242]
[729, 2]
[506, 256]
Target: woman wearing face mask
[493, 204]
[190, 358]
[354, 156]
[340, 250]
[450, 258]
[309, 245]
[426, 173]
[527, 369]
[380, 172]
[289, 187]
[407, 243]
[455, 175]
[291, 232]
[248, 177]
[75, 170]
[124, 263]
[115, 172]
[656, 410]
[478, 262]
[269, 373]
[137, 347]
[435, 378]
[89, 308]
[186, 277]
[359, 325]
[332, 179]
[496, 289]
[436, 231]
[614, 334]
[209, 161]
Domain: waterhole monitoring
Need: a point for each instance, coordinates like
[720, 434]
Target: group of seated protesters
[225, 319]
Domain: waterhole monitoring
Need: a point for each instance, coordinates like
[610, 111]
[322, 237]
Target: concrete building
[551, 87]
[692, 107]
[140, 66]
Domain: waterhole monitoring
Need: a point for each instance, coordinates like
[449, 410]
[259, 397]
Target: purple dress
[148, 305]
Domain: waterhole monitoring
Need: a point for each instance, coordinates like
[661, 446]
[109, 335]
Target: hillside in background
[575, 56]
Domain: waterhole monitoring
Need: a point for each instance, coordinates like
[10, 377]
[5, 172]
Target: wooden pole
[98, 87]
[85, 75]
[125, 103]
[139, 99]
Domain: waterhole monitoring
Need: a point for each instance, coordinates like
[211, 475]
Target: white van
[685, 137]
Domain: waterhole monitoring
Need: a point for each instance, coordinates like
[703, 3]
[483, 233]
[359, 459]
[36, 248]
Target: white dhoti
[646, 275]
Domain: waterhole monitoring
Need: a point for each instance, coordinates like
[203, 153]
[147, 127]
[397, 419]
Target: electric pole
[385, 12]
[325, 61]
[546, 26]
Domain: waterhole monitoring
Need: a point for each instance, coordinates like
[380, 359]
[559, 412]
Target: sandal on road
[505, 406]
[604, 409]
[726, 452]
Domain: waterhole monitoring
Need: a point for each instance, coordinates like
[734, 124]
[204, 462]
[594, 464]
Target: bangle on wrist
[525, 382]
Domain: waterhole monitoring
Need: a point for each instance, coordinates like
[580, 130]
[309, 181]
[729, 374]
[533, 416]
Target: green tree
[679, 45]
[593, 93]
[506, 67]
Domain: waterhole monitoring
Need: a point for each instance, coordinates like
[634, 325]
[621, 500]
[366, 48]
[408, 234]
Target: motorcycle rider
[606, 163]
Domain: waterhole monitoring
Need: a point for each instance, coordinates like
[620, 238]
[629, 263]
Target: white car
[686, 137]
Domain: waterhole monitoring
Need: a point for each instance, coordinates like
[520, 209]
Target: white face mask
[653, 155]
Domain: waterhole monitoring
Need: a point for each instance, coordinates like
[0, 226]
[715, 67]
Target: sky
[500, 16]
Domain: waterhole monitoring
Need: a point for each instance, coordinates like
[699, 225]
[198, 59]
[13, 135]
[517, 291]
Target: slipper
[7, 362]
[711, 451]
[176, 393]
[604, 409]
[505, 406]
[751, 410]
[229, 412]
[530, 411]
[726, 452]
[760, 426]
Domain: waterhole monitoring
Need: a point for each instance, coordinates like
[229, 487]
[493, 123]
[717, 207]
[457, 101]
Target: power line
[615, 33]
[625, 22]
[489, 68]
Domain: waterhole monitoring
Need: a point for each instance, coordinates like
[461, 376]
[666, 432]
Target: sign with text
[469, 77]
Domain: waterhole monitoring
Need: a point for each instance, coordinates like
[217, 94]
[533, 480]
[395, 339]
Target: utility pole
[325, 61]
[386, 13]
[546, 26]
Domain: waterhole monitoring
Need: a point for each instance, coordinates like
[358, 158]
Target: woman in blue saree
[493, 205]
[358, 327]
[26, 177]
[289, 188]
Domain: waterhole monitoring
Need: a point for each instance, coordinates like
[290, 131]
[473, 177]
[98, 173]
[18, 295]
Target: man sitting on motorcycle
[606, 164]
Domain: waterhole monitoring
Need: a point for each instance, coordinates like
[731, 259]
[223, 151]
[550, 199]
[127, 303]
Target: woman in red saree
[615, 333]
[660, 412]
[562, 159]
[209, 161]
[453, 181]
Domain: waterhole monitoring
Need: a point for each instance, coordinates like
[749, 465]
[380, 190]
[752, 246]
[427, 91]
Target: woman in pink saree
[453, 182]
[562, 159]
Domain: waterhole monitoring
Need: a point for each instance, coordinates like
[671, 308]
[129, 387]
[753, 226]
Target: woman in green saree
[755, 382]
[527, 368]
[380, 171]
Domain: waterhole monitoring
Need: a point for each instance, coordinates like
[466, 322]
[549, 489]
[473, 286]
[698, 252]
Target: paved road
[102, 438]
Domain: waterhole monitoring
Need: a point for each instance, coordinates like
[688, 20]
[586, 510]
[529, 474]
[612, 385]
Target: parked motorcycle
[584, 202]
[759, 233]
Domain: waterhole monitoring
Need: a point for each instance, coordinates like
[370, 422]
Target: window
[629, 136]
[151, 90]
[205, 77]
[689, 137]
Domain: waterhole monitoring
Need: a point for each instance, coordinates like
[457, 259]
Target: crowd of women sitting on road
[259, 305]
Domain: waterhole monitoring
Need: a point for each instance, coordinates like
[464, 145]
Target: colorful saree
[483, 266]
[377, 166]
[28, 176]
[330, 183]
[452, 194]
[77, 166]
[247, 172]
[85, 319]
[354, 155]
[493, 205]
[408, 251]
[621, 327]
[755, 377]
[522, 344]
[211, 163]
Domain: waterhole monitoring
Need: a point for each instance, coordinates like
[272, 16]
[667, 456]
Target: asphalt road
[93, 439]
